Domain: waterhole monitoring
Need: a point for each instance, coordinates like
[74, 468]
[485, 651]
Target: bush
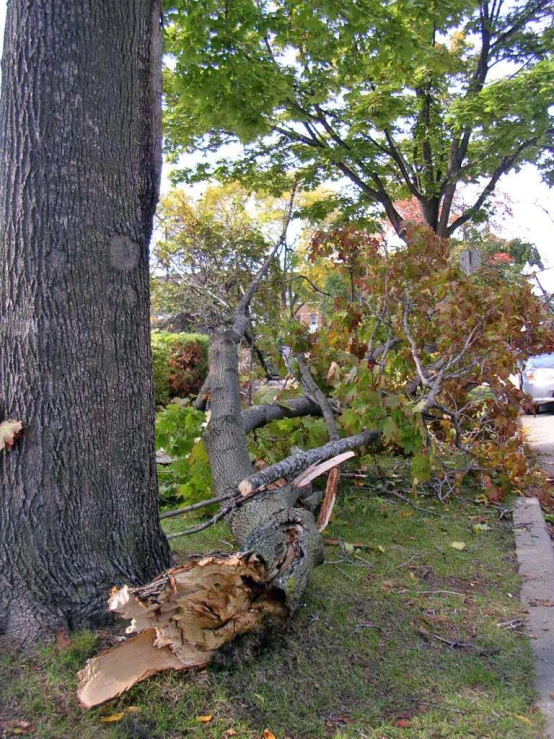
[180, 364]
[187, 479]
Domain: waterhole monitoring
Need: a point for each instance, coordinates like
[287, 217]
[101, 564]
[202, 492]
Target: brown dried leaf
[112, 718]
[403, 723]
[63, 642]
[10, 430]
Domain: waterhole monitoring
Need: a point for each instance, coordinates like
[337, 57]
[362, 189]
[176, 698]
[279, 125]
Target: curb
[535, 555]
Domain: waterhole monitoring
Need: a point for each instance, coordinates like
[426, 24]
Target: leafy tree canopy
[206, 255]
[402, 98]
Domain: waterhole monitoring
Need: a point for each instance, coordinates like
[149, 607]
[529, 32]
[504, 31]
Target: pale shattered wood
[329, 499]
[319, 469]
[116, 670]
[189, 612]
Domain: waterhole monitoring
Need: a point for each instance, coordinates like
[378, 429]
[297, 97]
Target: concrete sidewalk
[535, 554]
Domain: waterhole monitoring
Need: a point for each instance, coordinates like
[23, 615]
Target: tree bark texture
[80, 161]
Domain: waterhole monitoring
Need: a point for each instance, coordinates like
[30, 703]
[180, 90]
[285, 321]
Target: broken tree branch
[298, 462]
[319, 396]
[261, 415]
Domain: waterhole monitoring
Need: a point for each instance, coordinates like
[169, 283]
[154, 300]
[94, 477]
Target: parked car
[538, 379]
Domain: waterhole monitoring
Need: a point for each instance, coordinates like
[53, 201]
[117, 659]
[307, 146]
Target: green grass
[363, 656]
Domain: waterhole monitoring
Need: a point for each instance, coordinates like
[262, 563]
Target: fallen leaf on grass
[460, 545]
[112, 718]
[477, 527]
[12, 727]
[403, 723]
[523, 718]
[269, 734]
[63, 642]
[230, 732]
[10, 430]
[205, 719]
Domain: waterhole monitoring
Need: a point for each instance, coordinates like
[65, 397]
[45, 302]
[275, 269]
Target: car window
[541, 362]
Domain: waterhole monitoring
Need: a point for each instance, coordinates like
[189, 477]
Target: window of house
[313, 319]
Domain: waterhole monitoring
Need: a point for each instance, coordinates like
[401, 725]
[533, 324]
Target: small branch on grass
[195, 506]
[339, 542]
[453, 644]
[402, 591]
[409, 561]
[513, 625]
[200, 527]
[410, 502]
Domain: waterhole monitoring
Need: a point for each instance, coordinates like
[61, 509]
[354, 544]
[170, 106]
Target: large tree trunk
[79, 174]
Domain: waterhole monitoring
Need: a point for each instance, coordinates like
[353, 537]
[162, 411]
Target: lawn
[414, 634]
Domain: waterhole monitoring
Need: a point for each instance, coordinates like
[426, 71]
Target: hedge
[180, 364]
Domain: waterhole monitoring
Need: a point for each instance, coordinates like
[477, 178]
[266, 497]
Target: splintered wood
[182, 618]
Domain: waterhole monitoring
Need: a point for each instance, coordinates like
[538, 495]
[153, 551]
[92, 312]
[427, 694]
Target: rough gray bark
[260, 415]
[79, 173]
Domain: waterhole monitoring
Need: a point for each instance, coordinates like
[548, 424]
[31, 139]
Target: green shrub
[180, 364]
[178, 432]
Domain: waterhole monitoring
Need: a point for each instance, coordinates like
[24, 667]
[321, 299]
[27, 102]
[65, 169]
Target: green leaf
[460, 545]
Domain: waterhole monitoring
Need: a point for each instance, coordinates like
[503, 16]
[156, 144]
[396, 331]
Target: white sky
[524, 189]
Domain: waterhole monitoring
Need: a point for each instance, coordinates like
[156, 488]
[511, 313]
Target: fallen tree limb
[261, 415]
[182, 618]
[298, 462]
[319, 396]
[186, 614]
[332, 486]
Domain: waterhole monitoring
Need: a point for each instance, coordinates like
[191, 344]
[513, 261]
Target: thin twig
[453, 644]
[429, 592]
[196, 506]
[407, 562]
[410, 502]
[200, 527]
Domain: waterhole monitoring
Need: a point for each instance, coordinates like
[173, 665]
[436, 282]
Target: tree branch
[299, 462]
[261, 415]
[321, 399]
